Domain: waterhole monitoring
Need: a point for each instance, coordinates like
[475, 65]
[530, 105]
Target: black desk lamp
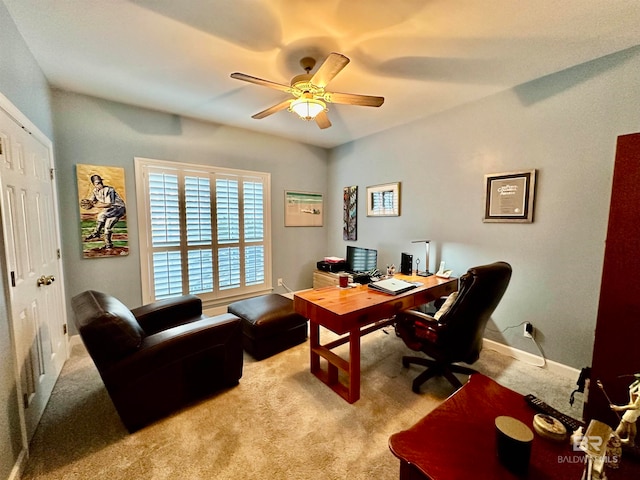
[426, 272]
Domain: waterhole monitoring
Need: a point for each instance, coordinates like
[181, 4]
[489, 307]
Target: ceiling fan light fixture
[307, 108]
[309, 93]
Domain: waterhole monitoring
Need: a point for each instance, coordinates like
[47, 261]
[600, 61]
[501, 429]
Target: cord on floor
[544, 360]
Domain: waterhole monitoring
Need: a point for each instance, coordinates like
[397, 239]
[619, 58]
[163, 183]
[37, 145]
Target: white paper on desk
[392, 286]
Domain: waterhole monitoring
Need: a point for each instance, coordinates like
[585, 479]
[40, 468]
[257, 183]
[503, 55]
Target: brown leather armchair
[454, 334]
[159, 357]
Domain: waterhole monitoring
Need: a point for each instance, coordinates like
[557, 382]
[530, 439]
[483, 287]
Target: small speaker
[513, 444]
[406, 264]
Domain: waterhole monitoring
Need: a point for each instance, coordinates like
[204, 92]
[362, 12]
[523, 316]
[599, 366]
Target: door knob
[45, 280]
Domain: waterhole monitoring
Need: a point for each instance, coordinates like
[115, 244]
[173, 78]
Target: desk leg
[314, 343]
[349, 387]
[330, 376]
[354, 365]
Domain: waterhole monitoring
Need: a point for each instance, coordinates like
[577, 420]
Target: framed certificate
[509, 197]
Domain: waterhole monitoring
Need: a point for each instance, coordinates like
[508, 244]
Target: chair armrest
[171, 346]
[419, 315]
[415, 327]
[163, 314]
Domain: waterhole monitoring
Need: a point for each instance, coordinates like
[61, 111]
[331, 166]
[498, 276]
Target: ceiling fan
[309, 94]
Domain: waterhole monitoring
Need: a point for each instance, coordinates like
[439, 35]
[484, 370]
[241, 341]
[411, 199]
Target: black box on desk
[406, 264]
[332, 266]
[361, 278]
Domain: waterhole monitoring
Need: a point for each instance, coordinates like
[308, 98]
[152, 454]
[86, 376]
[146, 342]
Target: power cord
[544, 360]
[286, 288]
[506, 328]
[585, 375]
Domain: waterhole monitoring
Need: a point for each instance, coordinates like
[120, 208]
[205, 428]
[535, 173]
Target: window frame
[219, 296]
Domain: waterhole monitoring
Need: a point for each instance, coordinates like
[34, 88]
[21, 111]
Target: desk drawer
[387, 310]
[434, 293]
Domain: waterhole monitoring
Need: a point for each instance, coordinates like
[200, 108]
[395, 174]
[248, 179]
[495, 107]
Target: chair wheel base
[435, 369]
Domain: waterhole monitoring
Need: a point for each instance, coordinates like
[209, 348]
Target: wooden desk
[356, 312]
[457, 441]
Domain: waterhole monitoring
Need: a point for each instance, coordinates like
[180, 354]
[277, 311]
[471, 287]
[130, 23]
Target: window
[203, 230]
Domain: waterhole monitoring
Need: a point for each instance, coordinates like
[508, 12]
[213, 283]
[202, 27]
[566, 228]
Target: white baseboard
[554, 367]
[18, 467]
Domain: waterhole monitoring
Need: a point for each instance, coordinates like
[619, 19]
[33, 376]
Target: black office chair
[454, 334]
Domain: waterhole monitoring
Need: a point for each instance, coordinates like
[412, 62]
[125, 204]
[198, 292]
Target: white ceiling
[423, 56]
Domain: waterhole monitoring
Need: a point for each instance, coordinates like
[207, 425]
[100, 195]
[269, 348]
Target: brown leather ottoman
[269, 324]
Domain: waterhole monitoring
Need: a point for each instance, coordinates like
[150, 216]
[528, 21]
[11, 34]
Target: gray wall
[564, 125]
[22, 82]
[99, 132]
[21, 79]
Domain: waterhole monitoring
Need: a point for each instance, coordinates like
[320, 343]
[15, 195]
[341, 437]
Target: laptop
[392, 286]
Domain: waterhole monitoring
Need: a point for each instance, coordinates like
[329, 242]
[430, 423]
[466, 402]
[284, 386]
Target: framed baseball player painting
[103, 211]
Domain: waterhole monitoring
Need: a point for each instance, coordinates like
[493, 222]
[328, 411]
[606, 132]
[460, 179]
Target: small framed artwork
[509, 197]
[350, 213]
[303, 209]
[383, 200]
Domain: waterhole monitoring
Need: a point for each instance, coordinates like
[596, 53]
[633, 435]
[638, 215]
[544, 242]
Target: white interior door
[37, 308]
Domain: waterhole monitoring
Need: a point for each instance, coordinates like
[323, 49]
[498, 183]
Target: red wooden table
[456, 441]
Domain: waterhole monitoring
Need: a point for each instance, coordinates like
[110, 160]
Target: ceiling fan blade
[331, 67]
[260, 81]
[322, 120]
[276, 108]
[354, 99]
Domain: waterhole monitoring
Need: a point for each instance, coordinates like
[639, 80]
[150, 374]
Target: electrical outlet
[528, 330]
[279, 282]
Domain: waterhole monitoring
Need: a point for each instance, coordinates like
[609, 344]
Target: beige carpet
[280, 422]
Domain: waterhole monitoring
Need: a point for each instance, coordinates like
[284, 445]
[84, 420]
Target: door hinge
[59, 253]
[51, 173]
[64, 329]
[13, 279]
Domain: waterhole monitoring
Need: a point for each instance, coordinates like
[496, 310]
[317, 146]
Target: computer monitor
[362, 259]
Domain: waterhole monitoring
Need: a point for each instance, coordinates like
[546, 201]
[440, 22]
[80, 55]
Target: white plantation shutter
[228, 208]
[200, 271]
[253, 211]
[254, 265]
[165, 210]
[198, 210]
[165, 234]
[197, 193]
[204, 230]
[167, 274]
[254, 231]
